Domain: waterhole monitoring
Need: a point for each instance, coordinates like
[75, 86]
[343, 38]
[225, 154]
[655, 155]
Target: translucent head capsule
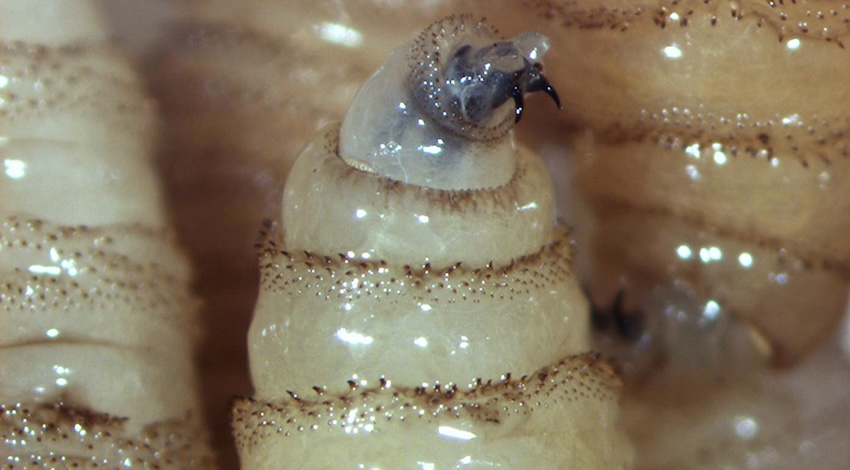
[465, 89]
[438, 112]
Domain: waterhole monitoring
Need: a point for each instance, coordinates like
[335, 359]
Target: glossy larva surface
[442, 427]
[714, 166]
[341, 210]
[97, 323]
[71, 297]
[450, 314]
[73, 86]
[399, 350]
[725, 158]
[670, 54]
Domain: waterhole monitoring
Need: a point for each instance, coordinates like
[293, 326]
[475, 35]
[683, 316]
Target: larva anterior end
[462, 75]
[438, 112]
[426, 316]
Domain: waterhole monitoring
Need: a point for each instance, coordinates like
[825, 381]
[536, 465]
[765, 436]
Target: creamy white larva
[716, 172]
[730, 179]
[403, 325]
[96, 320]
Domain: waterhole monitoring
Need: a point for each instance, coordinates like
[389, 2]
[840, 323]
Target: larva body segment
[449, 353]
[96, 320]
[716, 156]
[711, 157]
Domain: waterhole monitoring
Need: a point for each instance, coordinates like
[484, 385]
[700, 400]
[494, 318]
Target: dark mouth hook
[546, 87]
[537, 83]
[516, 93]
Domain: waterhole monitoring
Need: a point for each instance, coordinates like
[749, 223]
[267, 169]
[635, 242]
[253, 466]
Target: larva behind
[417, 307]
[97, 323]
[712, 156]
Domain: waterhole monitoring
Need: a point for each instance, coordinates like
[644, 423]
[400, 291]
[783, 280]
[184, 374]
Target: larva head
[439, 110]
[462, 75]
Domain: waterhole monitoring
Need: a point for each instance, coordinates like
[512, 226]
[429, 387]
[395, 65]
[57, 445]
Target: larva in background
[97, 324]
[712, 157]
[417, 306]
[733, 152]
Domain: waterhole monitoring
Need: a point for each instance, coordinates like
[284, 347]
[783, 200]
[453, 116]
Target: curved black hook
[535, 81]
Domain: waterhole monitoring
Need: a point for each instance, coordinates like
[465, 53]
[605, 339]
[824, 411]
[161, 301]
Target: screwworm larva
[392, 330]
[97, 324]
[713, 165]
